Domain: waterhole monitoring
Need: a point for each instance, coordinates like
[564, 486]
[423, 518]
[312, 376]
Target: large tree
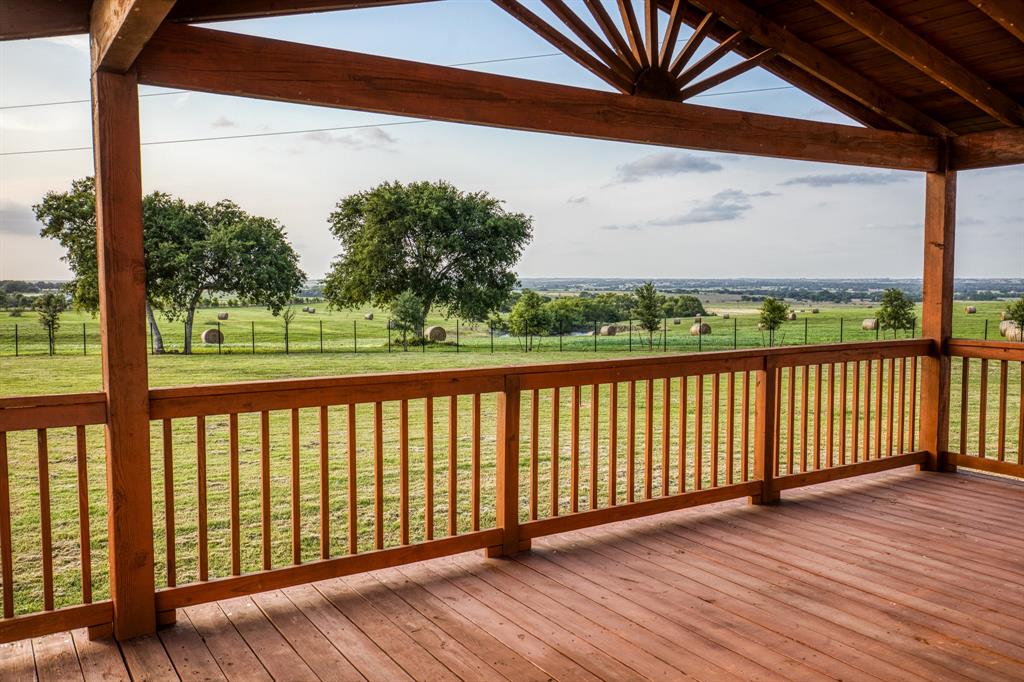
[452, 249]
[189, 249]
[897, 311]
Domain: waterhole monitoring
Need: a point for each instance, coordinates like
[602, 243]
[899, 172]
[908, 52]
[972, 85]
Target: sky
[599, 208]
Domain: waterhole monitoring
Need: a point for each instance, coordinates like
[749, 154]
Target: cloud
[224, 122]
[663, 165]
[366, 138]
[576, 200]
[831, 179]
[729, 204]
[17, 219]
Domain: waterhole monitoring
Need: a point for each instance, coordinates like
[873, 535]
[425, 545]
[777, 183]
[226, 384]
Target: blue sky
[600, 208]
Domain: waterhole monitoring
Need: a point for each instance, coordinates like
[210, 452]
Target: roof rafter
[846, 80]
[727, 73]
[1007, 13]
[915, 50]
[120, 29]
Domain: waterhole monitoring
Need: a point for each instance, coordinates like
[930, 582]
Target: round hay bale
[368, 316]
[311, 311]
[677, 321]
[1004, 316]
[222, 316]
[305, 308]
[700, 329]
[970, 309]
[725, 316]
[609, 330]
[1014, 333]
[870, 324]
[814, 311]
[1005, 326]
[436, 334]
[212, 336]
[791, 316]
[761, 326]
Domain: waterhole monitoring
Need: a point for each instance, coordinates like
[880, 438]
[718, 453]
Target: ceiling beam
[120, 28]
[918, 52]
[1007, 13]
[214, 61]
[851, 83]
[987, 149]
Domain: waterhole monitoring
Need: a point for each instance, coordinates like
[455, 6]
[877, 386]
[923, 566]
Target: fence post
[286, 338]
[15, 340]
[631, 334]
[252, 331]
[734, 335]
[507, 471]
[490, 327]
[456, 335]
[83, 339]
[840, 330]
[423, 339]
[805, 331]
[986, 330]
[765, 434]
[322, 334]
[595, 335]
[322, 338]
[700, 336]
[220, 338]
[355, 338]
[560, 333]
[664, 334]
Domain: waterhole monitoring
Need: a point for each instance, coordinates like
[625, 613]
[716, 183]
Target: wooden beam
[1007, 13]
[924, 56]
[636, 38]
[675, 22]
[122, 293]
[651, 31]
[590, 39]
[727, 74]
[700, 31]
[612, 33]
[120, 28]
[937, 315]
[711, 58]
[215, 61]
[986, 149]
[851, 83]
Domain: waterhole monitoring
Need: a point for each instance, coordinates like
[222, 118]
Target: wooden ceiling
[937, 67]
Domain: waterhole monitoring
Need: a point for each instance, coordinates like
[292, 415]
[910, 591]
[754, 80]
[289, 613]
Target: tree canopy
[50, 307]
[529, 317]
[407, 315]
[648, 309]
[896, 311]
[452, 249]
[773, 314]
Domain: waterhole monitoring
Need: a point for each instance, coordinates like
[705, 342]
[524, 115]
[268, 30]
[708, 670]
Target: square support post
[766, 433]
[507, 471]
[937, 316]
[122, 297]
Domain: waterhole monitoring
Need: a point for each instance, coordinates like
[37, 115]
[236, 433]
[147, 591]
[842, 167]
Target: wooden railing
[987, 394]
[268, 484]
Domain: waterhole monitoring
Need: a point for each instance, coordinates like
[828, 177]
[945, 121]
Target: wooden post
[765, 432]
[122, 294]
[937, 316]
[507, 474]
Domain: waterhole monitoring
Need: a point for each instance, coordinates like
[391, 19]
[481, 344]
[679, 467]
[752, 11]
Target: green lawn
[71, 373]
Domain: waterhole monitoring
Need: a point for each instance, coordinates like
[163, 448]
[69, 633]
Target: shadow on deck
[895, 576]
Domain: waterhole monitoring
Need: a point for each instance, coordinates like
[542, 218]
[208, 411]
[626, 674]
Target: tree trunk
[189, 319]
[158, 339]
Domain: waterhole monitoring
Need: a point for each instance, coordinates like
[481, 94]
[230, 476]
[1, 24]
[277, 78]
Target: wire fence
[270, 336]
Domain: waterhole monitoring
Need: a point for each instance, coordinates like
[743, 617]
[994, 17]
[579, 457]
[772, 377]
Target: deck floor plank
[901, 575]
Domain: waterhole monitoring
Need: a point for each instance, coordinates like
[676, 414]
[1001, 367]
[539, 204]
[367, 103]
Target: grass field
[72, 373]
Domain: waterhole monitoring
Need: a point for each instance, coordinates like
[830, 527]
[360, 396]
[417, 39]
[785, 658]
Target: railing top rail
[987, 350]
[52, 411]
[255, 396]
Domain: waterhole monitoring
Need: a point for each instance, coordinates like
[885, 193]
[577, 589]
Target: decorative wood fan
[636, 63]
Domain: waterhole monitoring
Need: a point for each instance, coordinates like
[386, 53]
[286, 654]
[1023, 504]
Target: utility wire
[278, 133]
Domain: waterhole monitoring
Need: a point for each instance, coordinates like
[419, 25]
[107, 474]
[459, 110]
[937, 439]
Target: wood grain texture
[119, 29]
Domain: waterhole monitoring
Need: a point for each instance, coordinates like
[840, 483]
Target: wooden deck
[895, 576]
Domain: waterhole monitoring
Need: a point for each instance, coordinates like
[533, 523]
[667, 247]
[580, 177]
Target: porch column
[937, 315]
[122, 293]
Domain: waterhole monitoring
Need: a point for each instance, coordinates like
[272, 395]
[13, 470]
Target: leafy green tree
[773, 313]
[1015, 314]
[50, 307]
[407, 315]
[896, 311]
[189, 249]
[4, 299]
[683, 306]
[529, 317]
[648, 310]
[452, 249]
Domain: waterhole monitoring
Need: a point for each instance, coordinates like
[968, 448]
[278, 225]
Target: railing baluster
[890, 404]
[879, 380]
[295, 498]
[867, 410]
[745, 434]
[84, 541]
[428, 468]
[555, 411]
[168, 443]
[353, 508]
[236, 544]
[817, 416]
[683, 409]
[574, 452]
[982, 407]
[804, 409]
[204, 552]
[631, 443]
[649, 441]
[475, 463]
[913, 402]
[715, 399]
[901, 433]
[729, 428]
[6, 560]
[594, 415]
[698, 433]
[325, 479]
[453, 465]
[378, 475]
[965, 382]
[45, 527]
[613, 443]
[855, 417]
[1003, 375]
[843, 370]
[666, 433]
[534, 452]
[265, 523]
[1020, 416]
[790, 419]
[403, 471]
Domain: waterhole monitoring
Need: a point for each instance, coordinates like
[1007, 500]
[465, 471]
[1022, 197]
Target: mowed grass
[68, 373]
